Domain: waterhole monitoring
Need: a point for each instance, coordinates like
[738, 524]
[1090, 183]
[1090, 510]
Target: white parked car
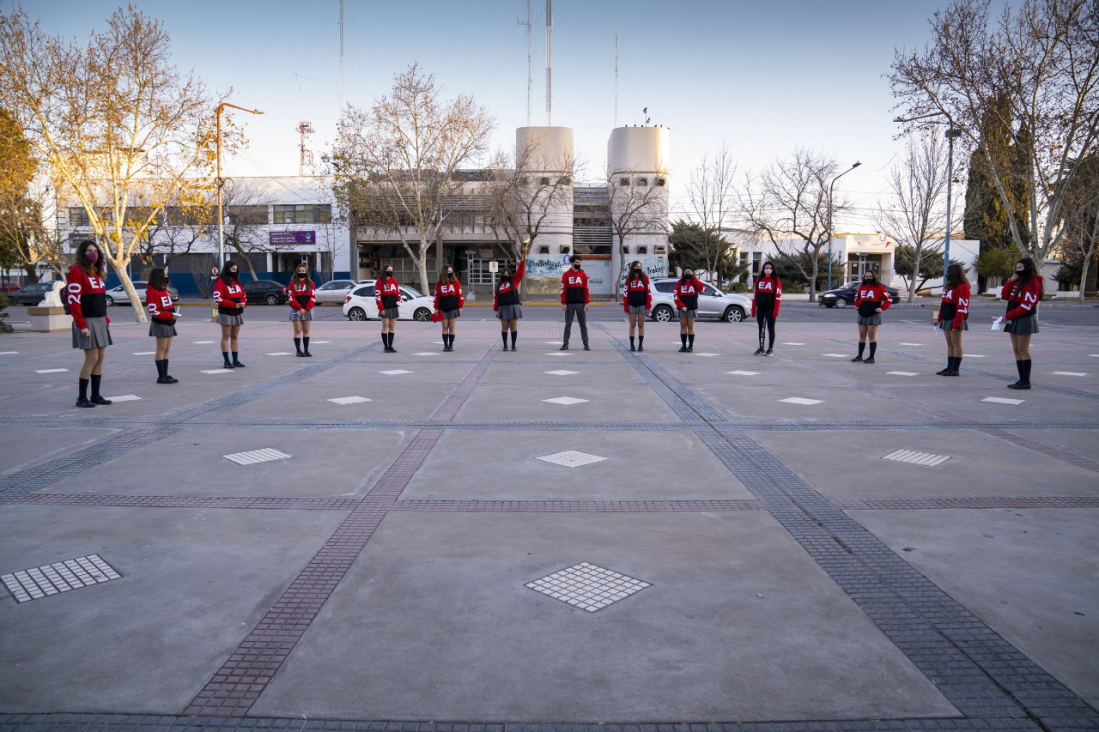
[118, 296]
[337, 291]
[712, 303]
[360, 305]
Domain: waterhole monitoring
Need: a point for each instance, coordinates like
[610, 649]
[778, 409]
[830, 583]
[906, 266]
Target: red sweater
[230, 298]
[159, 304]
[509, 289]
[449, 294]
[955, 305]
[387, 293]
[690, 289]
[876, 293]
[302, 294]
[86, 295]
[1022, 300]
[636, 289]
[574, 287]
[768, 290]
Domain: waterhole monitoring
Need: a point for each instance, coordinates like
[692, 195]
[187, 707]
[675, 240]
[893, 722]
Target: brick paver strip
[880, 504]
[579, 506]
[978, 671]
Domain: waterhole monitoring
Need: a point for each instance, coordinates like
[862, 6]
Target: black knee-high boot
[305, 343]
[514, 335]
[1026, 371]
[297, 345]
[504, 337]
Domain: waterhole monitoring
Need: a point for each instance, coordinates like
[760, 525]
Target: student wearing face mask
[505, 301]
[231, 301]
[162, 320]
[687, 291]
[303, 298]
[574, 301]
[1022, 293]
[952, 316]
[387, 296]
[637, 303]
[449, 301]
[871, 300]
[86, 296]
[766, 302]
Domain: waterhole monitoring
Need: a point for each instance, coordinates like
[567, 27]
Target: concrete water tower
[544, 156]
[637, 163]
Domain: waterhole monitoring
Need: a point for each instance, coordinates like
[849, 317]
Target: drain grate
[565, 400]
[52, 579]
[252, 457]
[799, 400]
[916, 458]
[587, 586]
[349, 400]
[571, 458]
[125, 398]
[1003, 400]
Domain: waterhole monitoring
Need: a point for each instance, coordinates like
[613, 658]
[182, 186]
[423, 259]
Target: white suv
[359, 304]
[712, 303]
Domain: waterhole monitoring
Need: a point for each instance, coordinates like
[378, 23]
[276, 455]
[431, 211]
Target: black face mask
[389, 273]
[301, 275]
[576, 265]
[637, 271]
[687, 276]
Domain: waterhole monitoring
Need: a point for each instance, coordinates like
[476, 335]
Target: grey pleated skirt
[690, 314]
[162, 330]
[1023, 326]
[510, 312]
[224, 319]
[451, 314]
[636, 309]
[300, 315]
[949, 325]
[389, 313]
[100, 334]
[874, 319]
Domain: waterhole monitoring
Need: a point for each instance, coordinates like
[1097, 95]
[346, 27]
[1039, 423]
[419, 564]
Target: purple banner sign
[283, 238]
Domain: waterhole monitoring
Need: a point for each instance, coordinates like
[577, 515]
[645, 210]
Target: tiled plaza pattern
[989, 681]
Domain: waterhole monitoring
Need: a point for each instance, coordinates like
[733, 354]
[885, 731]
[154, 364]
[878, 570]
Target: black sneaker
[513, 348]
[641, 348]
[944, 372]
[308, 354]
[856, 359]
[769, 352]
[392, 349]
[759, 352]
[690, 349]
[85, 403]
[564, 347]
[238, 365]
[1019, 385]
[682, 349]
[869, 360]
[300, 354]
[952, 372]
[228, 366]
[172, 379]
[100, 400]
[163, 380]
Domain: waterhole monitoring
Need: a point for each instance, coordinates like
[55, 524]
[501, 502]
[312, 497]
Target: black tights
[768, 317]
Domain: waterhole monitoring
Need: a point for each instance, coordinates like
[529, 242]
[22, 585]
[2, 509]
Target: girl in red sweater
[871, 300]
[86, 296]
[766, 302]
[637, 303]
[1022, 293]
[303, 298]
[952, 316]
[449, 302]
[506, 304]
[231, 301]
[162, 321]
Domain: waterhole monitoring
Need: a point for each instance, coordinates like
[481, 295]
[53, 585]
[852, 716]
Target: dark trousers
[576, 309]
[766, 316]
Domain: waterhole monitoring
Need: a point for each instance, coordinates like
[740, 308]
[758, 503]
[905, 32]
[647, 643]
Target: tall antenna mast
[616, 78]
[339, 113]
[530, 79]
[549, 62]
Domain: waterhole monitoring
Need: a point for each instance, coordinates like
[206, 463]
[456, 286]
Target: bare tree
[791, 201]
[916, 214]
[638, 205]
[1044, 61]
[1082, 215]
[528, 194]
[397, 164]
[711, 193]
[106, 117]
[246, 208]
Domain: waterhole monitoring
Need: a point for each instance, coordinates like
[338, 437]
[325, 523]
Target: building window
[543, 181]
[660, 182]
[303, 213]
[642, 181]
[757, 257]
[543, 250]
[624, 182]
[78, 217]
[642, 250]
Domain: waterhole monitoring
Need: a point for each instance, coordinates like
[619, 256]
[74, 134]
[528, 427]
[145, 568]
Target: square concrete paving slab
[1031, 574]
[463, 466]
[374, 372]
[511, 403]
[26, 447]
[849, 464]
[329, 464]
[433, 622]
[961, 398]
[620, 374]
[1078, 442]
[737, 403]
[310, 401]
[194, 582]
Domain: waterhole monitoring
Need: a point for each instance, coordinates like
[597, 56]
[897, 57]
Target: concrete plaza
[466, 541]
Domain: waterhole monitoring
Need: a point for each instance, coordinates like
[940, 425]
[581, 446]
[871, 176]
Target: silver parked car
[118, 296]
[336, 291]
[712, 303]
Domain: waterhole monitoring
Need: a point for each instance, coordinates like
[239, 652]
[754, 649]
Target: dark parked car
[265, 291]
[841, 297]
[31, 294]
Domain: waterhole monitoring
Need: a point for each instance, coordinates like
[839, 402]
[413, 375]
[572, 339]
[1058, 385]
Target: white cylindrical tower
[637, 166]
[544, 156]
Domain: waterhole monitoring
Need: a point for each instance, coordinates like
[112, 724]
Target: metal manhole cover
[587, 586]
[51, 579]
[256, 456]
[916, 458]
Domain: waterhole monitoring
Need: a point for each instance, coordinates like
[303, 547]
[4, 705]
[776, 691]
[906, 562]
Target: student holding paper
[952, 316]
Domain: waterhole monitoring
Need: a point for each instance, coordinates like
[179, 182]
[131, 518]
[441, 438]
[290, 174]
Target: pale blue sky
[763, 76]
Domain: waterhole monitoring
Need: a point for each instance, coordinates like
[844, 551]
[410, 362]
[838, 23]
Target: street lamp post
[830, 186]
[219, 183]
[951, 134]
